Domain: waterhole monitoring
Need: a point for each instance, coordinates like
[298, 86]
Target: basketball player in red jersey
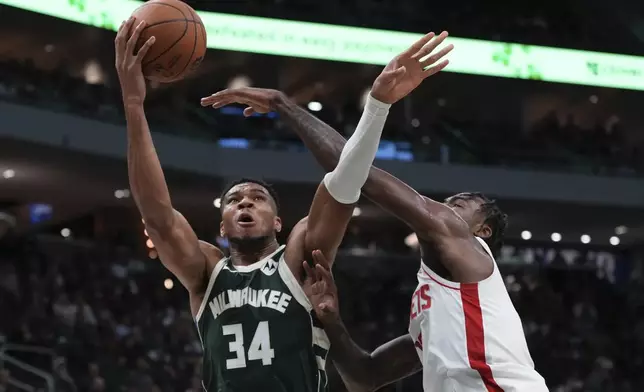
[464, 331]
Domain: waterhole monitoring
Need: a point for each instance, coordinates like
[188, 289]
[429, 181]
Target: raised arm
[423, 215]
[336, 196]
[177, 244]
[360, 370]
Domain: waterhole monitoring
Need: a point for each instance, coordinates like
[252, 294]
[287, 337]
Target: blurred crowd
[552, 145]
[112, 321]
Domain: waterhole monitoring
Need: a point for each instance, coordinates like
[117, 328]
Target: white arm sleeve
[346, 180]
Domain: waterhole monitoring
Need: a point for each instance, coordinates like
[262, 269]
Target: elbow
[363, 383]
[368, 379]
[356, 371]
[368, 385]
[361, 388]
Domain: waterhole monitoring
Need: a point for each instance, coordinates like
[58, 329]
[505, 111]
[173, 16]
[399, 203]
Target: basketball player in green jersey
[253, 318]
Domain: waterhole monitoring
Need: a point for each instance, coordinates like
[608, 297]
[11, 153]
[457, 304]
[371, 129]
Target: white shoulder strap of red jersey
[485, 246]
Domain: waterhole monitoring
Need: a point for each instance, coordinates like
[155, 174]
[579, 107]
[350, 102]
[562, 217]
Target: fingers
[144, 49]
[220, 103]
[134, 38]
[418, 45]
[435, 69]
[235, 95]
[430, 46]
[322, 267]
[121, 37]
[324, 274]
[436, 56]
[310, 272]
[221, 96]
[257, 101]
[320, 259]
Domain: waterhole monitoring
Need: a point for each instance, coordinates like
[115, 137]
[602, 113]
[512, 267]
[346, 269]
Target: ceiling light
[239, 81]
[9, 173]
[315, 106]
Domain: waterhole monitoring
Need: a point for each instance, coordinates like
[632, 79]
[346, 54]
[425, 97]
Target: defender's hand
[128, 64]
[407, 70]
[320, 288]
[258, 100]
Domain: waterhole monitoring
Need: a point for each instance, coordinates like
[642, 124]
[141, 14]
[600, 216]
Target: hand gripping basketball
[128, 64]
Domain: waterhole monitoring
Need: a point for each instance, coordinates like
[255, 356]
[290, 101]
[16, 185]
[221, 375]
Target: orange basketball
[180, 44]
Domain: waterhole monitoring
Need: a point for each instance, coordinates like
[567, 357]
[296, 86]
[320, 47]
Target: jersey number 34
[259, 349]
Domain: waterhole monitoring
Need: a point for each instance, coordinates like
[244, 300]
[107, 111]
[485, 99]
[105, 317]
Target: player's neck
[251, 250]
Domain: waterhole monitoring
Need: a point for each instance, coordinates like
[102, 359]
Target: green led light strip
[370, 46]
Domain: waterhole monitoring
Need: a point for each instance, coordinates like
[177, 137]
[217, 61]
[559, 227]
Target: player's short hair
[245, 180]
[494, 217]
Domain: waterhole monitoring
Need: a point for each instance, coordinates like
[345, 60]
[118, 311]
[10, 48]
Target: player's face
[469, 209]
[248, 211]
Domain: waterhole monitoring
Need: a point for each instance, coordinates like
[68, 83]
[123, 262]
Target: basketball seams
[185, 31]
[172, 21]
[203, 29]
[161, 4]
[194, 44]
[190, 17]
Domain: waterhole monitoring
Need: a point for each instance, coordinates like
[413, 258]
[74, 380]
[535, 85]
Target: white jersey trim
[256, 265]
[241, 268]
[211, 283]
[293, 285]
[486, 247]
[456, 285]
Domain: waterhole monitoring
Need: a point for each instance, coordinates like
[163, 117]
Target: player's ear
[484, 231]
[277, 224]
[222, 232]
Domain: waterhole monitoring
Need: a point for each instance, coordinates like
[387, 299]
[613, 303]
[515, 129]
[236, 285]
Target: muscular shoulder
[444, 221]
[294, 252]
[213, 256]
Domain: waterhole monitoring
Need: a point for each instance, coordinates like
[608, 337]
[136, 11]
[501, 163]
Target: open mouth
[245, 219]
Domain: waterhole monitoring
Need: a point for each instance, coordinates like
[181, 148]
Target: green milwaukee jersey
[258, 331]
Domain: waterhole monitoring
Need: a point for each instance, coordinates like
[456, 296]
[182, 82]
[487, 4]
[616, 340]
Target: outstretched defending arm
[334, 200]
[332, 205]
[423, 215]
[361, 371]
[178, 246]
